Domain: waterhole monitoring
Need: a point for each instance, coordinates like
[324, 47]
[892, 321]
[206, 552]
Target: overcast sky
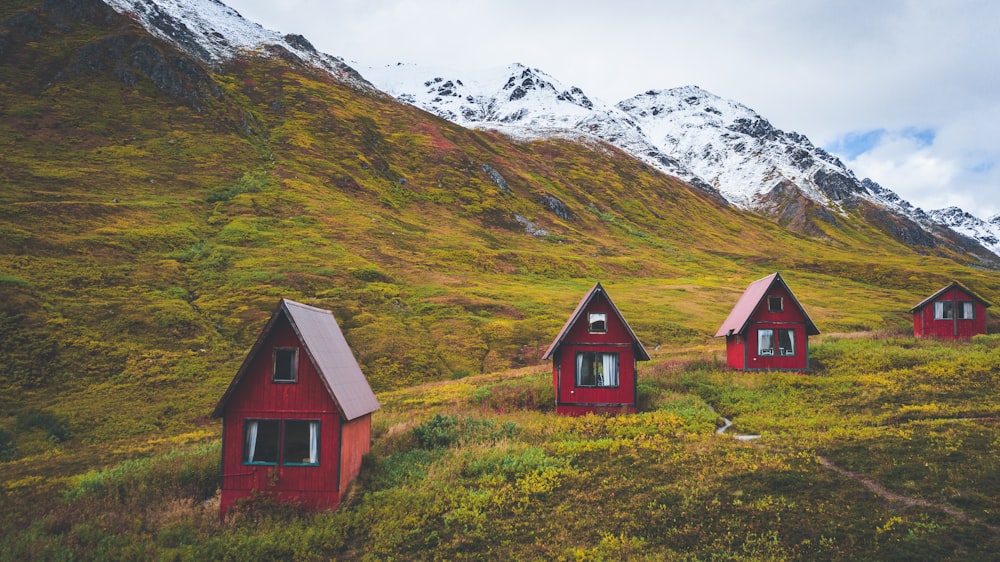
[906, 92]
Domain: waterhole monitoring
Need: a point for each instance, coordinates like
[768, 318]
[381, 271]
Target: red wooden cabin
[594, 359]
[768, 329]
[951, 313]
[297, 416]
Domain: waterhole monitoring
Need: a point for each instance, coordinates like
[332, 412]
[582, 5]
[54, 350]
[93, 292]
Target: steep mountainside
[715, 144]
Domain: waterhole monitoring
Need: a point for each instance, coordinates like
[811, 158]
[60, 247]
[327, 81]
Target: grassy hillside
[152, 213]
[886, 452]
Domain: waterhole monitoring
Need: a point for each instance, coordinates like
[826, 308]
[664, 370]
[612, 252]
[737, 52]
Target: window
[285, 363]
[786, 343]
[598, 323]
[944, 310]
[597, 369]
[774, 304]
[966, 310]
[260, 441]
[785, 340]
[301, 442]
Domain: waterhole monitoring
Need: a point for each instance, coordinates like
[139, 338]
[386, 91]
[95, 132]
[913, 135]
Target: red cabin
[297, 416]
[768, 329]
[951, 313]
[594, 359]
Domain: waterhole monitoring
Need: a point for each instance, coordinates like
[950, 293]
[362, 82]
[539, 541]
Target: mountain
[718, 145]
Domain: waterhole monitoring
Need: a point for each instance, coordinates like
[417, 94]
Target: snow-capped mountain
[985, 232]
[718, 145]
[213, 32]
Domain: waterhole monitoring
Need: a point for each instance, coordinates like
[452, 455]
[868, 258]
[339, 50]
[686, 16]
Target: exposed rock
[497, 179]
[837, 186]
[299, 42]
[557, 206]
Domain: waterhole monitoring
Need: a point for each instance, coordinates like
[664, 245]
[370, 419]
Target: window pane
[774, 304]
[301, 442]
[765, 342]
[966, 310]
[597, 369]
[944, 310]
[598, 322]
[284, 365]
[786, 342]
[260, 441]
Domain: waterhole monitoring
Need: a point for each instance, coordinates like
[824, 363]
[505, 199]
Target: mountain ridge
[723, 158]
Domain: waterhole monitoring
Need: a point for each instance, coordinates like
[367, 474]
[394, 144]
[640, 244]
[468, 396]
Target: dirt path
[905, 501]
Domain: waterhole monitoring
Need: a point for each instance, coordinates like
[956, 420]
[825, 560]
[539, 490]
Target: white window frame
[597, 323]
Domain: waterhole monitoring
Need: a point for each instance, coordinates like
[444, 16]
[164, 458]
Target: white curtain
[765, 342]
[967, 310]
[791, 342]
[251, 440]
[579, 368]
[939, 310]
[313, 442]
[610, 369]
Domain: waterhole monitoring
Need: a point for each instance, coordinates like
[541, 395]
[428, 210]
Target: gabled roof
[950, 286]
[326, 347]
[640, 351]
[741, 314]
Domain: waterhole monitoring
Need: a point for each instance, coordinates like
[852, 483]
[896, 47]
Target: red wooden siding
[355, 442]
[925, 325]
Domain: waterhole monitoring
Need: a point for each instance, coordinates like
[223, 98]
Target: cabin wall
[925, 325]
[736, 351]
[355, 442]
[258, 397]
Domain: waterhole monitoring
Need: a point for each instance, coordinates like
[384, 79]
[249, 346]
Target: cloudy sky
[906, 92]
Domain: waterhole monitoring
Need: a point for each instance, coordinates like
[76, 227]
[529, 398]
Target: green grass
[468, 469]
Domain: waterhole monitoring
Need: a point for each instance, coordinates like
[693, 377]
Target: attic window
[774, 304]
[597, 323]
[285, 365]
